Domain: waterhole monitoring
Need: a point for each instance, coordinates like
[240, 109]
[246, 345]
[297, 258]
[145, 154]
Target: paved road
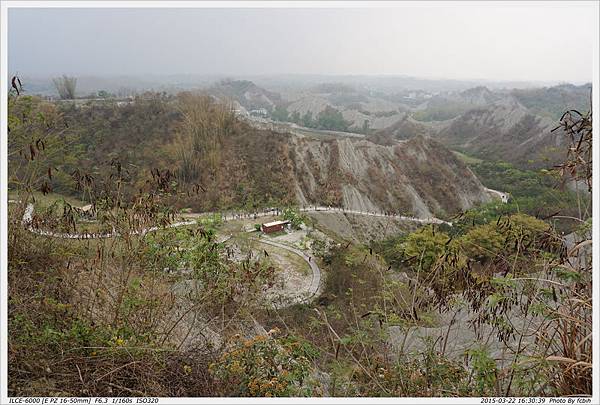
[28, 216]
[316, 271]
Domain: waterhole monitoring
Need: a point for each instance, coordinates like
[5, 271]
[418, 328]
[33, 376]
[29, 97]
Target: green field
[467, 159]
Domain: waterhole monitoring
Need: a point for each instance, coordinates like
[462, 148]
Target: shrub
[294, 216]
[424, 246]
[267, 366]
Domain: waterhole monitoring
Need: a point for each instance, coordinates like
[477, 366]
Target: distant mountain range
[509, 124]
[512, 125]
[498, 120]
[277, 83]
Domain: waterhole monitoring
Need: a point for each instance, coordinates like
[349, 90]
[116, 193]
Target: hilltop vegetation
[329, 118]
[157, 132]
[554, 101]
[538, 193]
[246, 93]
[219, 162]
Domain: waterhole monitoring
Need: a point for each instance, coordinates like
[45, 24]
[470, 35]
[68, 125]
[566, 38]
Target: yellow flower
[187, 369]
[120, 342]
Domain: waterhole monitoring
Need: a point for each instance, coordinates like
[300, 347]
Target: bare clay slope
[418, 177]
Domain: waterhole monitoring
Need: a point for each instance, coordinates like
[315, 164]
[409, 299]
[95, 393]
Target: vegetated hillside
[505, 130]
[513, 126]
[177, 313]
[448, 106]
[219, 162]
[359, 107]
[406, 128]
[249, 95]
[228, 164]
[480, 95]
[554, 101]
[253, 171]
[132, 133]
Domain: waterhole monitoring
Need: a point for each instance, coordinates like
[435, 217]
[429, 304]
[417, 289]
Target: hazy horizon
[512, 43]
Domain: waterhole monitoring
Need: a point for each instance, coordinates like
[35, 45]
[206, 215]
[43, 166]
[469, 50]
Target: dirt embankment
[418, 177]
[360, 228]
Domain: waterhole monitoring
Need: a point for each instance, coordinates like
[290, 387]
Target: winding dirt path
[315, 283]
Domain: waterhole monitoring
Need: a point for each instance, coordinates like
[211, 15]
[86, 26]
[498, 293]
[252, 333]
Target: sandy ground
[454, 336]
[294, 280]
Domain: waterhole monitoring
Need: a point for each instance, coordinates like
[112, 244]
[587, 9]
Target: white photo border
[5, 6]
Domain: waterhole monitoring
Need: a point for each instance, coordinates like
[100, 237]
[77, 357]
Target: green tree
[105, 94]
[425, 245]
[295, 117]
[280, 113]
[485, 242]
[295, 218]
[365, 127]
[307, 120]
[331, 119]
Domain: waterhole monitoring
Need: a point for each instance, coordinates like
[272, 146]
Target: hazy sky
[545, 42]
